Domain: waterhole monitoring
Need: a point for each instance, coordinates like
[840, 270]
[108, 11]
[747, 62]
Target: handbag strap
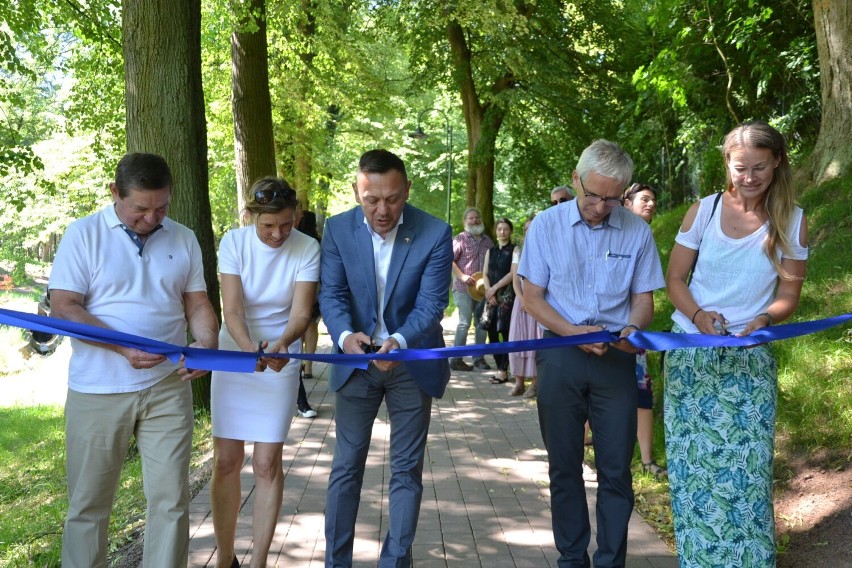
[701, 237]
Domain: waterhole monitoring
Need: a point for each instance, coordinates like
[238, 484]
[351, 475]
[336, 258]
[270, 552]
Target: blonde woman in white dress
[269, 273]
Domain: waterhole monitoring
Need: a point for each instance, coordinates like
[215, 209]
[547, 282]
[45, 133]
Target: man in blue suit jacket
[386, 269]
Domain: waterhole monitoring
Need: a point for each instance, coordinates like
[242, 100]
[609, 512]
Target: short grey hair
[468, 210]
[607, 159]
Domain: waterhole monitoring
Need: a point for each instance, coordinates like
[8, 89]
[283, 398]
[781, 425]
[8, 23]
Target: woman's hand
[276, 363]
[260, 365]
[710, 323]
[490, 292]
[758, 322]
[491, 296]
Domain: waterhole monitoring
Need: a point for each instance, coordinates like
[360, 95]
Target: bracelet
[695, 314]
[768, 317]
[633, 325]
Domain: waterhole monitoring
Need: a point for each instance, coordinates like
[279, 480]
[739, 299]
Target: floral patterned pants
[720, 438]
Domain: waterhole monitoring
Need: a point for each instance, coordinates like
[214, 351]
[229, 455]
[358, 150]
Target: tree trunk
[253, 141]
[483, 121]
[833, 152]
[165, 115]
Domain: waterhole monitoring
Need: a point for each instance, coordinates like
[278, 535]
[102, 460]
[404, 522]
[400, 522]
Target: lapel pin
[407, 240]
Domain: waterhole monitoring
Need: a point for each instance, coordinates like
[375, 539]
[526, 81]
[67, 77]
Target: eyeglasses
[266, 196]
[754, 172]
[594, 198]
[560, 200]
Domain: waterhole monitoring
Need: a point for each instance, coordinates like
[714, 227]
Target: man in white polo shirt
[129, 268]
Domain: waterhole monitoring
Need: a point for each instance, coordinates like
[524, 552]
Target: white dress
[259, 407]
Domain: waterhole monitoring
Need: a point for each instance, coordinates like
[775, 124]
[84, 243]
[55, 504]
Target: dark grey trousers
[574, 385]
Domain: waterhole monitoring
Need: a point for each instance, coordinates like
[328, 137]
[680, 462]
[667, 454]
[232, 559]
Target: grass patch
[33, 492]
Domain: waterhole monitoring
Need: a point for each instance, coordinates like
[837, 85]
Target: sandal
[496, 380]
[517, 390]
[654, 469]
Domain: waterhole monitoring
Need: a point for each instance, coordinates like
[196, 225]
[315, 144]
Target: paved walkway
[486, 500]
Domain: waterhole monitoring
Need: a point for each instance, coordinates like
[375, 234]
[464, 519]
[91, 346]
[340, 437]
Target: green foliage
[33, 491]
[686, 54]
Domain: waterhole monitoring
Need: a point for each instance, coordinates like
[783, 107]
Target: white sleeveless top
[732, 276]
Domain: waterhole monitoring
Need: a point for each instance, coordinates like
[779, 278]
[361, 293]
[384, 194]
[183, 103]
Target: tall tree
[833, 153]
[253, 138]
[483, 119]
[542, 68]
[165, 115]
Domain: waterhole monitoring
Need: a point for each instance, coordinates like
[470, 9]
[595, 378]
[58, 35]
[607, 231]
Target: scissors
[722, 326]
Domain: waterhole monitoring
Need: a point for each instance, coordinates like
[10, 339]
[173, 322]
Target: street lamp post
[419, 135]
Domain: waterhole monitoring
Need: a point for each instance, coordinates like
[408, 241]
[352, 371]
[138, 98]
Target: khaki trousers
[98, 428]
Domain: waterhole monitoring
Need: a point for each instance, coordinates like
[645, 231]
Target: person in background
[499, 293]
[747, 250]
[560, 194]
[386, 269]
[523, 327]
[600, 273]
[131, 269]
[641, 199]
[269, 275]
[469, 248]
[306, 222]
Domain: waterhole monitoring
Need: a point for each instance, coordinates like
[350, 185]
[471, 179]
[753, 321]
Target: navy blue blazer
[416, 294]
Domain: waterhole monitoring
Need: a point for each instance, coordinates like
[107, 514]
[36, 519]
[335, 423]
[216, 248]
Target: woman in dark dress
[499, 293]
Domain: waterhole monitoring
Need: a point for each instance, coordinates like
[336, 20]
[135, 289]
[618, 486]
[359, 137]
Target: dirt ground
[813, 514]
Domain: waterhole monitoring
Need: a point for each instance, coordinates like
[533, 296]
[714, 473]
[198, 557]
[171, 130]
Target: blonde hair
[779, 201]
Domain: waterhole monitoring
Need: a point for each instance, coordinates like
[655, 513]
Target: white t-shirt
[129, 292]
[732, 276]
[268, 276]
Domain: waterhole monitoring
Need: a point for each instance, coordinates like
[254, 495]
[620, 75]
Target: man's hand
[353, 342]
[140, 359]
[190, 374]
[594, 348]
[389, 345]
[622, 344]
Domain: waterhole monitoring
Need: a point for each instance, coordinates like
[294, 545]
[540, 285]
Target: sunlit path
[486, 497]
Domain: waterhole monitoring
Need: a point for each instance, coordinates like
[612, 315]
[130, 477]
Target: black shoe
[459, 365]
[481, 365]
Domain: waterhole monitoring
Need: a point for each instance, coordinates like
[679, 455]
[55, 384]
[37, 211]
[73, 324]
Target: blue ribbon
[244, 362]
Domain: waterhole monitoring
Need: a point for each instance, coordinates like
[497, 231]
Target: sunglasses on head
[265, 196]
[558, 201]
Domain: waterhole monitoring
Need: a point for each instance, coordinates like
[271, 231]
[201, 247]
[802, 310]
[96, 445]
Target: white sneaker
[308, 413]
[589, 474]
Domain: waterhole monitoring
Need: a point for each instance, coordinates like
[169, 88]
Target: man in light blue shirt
[590, 265]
